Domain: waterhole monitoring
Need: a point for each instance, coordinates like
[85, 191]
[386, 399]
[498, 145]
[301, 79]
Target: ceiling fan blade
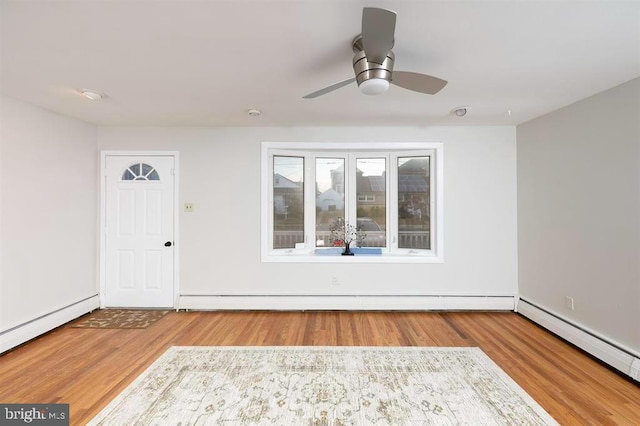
[329, 88]
[378, 28]
[418, 82]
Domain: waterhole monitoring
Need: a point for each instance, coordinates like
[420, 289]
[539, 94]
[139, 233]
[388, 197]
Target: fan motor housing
[365, 70]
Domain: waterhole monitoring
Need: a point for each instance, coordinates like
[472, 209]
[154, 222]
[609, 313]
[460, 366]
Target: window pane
[127, 175]
[288, 201]
[414, 224]
[329, 197]
[140, 171]
[372, 200]
[135, 168]
[145, 169]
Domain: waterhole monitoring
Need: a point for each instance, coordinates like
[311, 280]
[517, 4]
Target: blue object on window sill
[358, 251]
[367, 250]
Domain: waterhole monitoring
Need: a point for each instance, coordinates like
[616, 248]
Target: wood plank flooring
[88, 367]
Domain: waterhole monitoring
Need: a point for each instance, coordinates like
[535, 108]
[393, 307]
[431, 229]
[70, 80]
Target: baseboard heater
[344, 302]
[28, 330]
[616, 355]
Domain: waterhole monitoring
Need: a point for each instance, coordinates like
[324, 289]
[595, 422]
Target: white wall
[220, 241]
[48, 181]
[579, 213]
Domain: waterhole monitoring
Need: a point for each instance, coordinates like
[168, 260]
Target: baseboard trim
[368, 303]
[615, 355]
[24, 332]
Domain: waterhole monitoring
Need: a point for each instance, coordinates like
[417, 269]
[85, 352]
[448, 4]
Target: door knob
[167, 244]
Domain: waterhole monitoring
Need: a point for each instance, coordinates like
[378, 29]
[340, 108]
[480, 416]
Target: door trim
[102, 241]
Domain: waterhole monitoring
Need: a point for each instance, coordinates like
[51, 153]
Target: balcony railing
[407, 239]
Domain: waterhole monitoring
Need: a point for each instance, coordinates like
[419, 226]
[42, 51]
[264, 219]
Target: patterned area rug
[120, 318]
[323, 386]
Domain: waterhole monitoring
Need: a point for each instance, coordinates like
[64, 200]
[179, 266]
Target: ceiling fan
[373, 62]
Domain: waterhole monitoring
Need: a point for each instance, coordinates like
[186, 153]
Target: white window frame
[391, 150]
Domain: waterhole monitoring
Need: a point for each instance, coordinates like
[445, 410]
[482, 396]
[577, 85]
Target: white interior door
[139, 229]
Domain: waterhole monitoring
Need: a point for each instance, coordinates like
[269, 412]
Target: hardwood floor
[88, 367]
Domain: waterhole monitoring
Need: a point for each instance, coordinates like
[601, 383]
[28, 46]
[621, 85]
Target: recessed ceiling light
[254, 112]
[460, 111]
[92, 94]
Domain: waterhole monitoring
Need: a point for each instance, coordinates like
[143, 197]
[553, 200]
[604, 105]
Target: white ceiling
[205, 63]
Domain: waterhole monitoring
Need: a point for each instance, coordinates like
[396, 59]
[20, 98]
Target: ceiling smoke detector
[92, 94]
[254, 112]
[460, 111]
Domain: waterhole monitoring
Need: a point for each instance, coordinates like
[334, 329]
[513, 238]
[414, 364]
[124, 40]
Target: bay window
[391, 192]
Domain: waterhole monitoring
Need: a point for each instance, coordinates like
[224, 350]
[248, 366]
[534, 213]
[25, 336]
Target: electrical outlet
[568, 302]
[188, 207]
[334, 280]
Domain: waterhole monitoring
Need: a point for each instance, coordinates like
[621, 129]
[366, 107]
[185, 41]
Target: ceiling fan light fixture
[373, 60]
[374, 86]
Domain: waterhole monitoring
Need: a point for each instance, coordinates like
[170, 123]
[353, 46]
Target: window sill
[361, 255]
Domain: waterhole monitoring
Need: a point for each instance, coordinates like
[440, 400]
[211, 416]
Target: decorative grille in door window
[140, 171]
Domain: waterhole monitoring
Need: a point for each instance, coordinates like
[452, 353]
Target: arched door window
[140, 171]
